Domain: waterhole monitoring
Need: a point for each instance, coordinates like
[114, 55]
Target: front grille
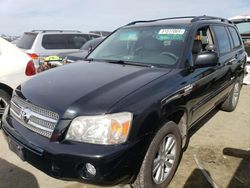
[32, 117]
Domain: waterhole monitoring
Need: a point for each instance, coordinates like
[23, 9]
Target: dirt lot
[221, 144]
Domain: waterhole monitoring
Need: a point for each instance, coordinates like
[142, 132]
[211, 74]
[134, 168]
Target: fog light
[90, 169]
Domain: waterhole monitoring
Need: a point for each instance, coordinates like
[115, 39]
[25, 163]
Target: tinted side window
[235, 36]
[222, 38]
[64, 41]
[26, 41]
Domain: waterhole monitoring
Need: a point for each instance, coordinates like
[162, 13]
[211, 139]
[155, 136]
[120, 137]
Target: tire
[231, 102]
[146, 177]
[4, 101]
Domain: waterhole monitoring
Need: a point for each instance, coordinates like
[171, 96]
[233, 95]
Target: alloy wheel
[164, 159]
[236, 94]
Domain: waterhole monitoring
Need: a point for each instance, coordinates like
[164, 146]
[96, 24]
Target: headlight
[104, 129]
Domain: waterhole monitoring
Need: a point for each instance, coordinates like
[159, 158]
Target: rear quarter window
[222, 39]
[26, 41]
[64, 41]
[235, 36]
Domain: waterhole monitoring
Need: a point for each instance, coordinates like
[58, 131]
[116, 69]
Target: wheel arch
[6, 88]
[155, 117]
[180, 117]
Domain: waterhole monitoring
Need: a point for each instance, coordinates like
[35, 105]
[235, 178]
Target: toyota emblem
[25, 114]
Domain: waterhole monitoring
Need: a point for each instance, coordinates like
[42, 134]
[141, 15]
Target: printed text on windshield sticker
[171, 32]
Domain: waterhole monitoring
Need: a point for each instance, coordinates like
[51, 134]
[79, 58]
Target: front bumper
[118, 164]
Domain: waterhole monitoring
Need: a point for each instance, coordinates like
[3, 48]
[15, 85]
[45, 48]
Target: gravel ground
[221, 145]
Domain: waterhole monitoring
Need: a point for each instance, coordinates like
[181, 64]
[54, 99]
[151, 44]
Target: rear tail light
[33, 56]
[30, 69]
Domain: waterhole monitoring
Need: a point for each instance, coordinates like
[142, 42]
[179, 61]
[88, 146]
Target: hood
[87, 88]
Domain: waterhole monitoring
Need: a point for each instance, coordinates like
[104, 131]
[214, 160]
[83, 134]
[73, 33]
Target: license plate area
[17, 149]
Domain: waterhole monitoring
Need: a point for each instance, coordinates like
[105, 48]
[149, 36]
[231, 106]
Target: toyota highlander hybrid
[122, 116]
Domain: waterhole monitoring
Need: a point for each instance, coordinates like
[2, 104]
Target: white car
[15, 68]
[247, 76]
[243, 24]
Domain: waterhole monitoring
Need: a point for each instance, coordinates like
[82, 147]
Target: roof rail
[204, 17]
[194, 19]
[161, 19]
[44, 31]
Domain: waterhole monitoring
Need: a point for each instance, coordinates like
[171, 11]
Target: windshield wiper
[121, 62]
[90, 59]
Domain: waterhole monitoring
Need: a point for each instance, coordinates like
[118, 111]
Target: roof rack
[161, 19]
[204, 17]
[44, 31]
[194, 19]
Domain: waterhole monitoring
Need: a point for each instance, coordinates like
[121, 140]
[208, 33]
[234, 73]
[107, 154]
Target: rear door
[237, 67]
[227, 57]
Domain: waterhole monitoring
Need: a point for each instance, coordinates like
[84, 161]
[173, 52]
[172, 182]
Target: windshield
[146, 45]
[244, 27]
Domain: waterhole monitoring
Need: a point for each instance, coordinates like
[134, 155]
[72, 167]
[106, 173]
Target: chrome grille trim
[41, 121]
[45, 113]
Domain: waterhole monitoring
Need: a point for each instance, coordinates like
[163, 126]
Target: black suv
[123, 115]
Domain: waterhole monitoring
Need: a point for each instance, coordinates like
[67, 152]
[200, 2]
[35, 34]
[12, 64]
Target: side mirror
[206, 59]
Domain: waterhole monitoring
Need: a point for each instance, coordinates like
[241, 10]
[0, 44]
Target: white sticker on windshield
[171, 32]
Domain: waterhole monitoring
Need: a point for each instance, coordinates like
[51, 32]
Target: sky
[18, 16]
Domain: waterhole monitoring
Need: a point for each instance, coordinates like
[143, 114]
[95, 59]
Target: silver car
[41, 43]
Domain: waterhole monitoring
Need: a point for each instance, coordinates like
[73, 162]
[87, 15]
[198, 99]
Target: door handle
[232, 61]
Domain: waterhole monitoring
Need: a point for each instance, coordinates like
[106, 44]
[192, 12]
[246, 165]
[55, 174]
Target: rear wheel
[4, 101]
[231, 102]
[162, 158]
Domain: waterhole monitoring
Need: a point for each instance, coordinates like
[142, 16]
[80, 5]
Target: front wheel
[161, 159]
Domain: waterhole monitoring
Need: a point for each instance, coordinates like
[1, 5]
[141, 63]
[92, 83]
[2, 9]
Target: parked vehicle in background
[15, 68]
[15, 40]
[83, 52]
[41, 43]
[50, 62]
[123, 115]
[243, 24]
[9, 38]
[101, 33]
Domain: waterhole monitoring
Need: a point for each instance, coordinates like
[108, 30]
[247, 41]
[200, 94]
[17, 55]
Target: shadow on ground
[197, 180]
[241, 177]
[15, 176]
